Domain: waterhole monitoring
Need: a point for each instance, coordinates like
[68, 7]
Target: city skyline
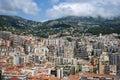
[59, 40]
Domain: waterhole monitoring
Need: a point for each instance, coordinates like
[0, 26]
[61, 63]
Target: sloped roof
[14, 78]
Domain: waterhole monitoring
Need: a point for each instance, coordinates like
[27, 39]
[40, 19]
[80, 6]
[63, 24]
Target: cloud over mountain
[103, 8]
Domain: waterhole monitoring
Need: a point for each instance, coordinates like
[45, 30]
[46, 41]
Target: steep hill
[71, 25]
[16, 24]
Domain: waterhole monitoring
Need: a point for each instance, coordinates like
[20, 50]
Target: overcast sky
[41, 10]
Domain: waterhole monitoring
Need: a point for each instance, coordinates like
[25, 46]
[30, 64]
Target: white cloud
[104, 8]
[13, 6]
[54, 1]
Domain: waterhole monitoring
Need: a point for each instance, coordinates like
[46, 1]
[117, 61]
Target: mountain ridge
[73, 25]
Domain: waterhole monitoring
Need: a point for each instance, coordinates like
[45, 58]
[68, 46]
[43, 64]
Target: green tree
[25, 50]
[69, 39]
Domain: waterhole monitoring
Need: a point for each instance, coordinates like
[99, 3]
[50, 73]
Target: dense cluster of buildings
[57, 58]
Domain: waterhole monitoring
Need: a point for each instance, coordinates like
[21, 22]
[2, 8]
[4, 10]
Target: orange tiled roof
[91, 66]
[54, 78]
[41, 70]
[44, 77]
[13, 70]
[98, 75]
[14, 78]
[74, 77]
[34, 77]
